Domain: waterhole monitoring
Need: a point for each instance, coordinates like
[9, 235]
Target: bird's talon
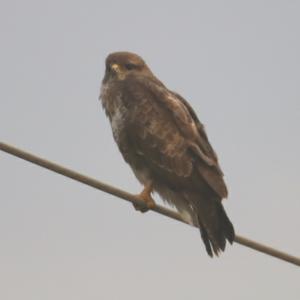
[145, 196]
[140, 208]
[151, 204]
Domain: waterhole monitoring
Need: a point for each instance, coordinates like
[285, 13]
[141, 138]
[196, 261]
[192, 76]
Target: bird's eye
[130, 66]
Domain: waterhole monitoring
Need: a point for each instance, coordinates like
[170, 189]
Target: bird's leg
[145, 195]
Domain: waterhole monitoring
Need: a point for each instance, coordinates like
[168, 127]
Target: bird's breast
[118, 119]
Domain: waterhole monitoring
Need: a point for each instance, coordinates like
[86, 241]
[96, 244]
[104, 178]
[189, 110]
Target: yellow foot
[145, 195]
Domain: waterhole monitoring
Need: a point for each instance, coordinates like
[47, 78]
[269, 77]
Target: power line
[133, 199]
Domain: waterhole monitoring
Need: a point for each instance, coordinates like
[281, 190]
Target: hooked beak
[116, 68]
[115, 72]
[118, 71]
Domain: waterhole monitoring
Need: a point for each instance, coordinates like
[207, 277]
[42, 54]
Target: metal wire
[134, 199]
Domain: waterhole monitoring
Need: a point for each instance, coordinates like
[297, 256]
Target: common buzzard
[165, 144]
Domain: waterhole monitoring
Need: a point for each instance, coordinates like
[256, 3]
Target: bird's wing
[203, 139]
[168, 134]
[213, 175]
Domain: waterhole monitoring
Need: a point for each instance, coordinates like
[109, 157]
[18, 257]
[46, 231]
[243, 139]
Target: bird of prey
[166, 146]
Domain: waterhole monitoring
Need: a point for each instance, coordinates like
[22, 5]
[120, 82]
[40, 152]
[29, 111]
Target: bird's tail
[214, 224]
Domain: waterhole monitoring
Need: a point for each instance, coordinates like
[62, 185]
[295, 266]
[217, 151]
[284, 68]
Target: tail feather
[215, 226]
[205, 239]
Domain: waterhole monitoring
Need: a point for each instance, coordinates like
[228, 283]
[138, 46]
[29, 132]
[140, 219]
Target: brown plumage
[161, 138]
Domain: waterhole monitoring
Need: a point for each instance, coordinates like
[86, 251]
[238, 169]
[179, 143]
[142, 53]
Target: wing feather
[170, 136]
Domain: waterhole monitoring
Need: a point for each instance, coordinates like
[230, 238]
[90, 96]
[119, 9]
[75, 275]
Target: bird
[161, 138]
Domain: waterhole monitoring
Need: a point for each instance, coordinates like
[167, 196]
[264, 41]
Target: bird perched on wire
[165, 144]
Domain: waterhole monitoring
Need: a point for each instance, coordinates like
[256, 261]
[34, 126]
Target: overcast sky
[236, 62]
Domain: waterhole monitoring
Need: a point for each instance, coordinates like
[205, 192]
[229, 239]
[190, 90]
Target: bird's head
[120, 64]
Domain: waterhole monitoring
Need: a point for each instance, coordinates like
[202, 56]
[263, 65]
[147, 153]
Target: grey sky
[236, 62]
